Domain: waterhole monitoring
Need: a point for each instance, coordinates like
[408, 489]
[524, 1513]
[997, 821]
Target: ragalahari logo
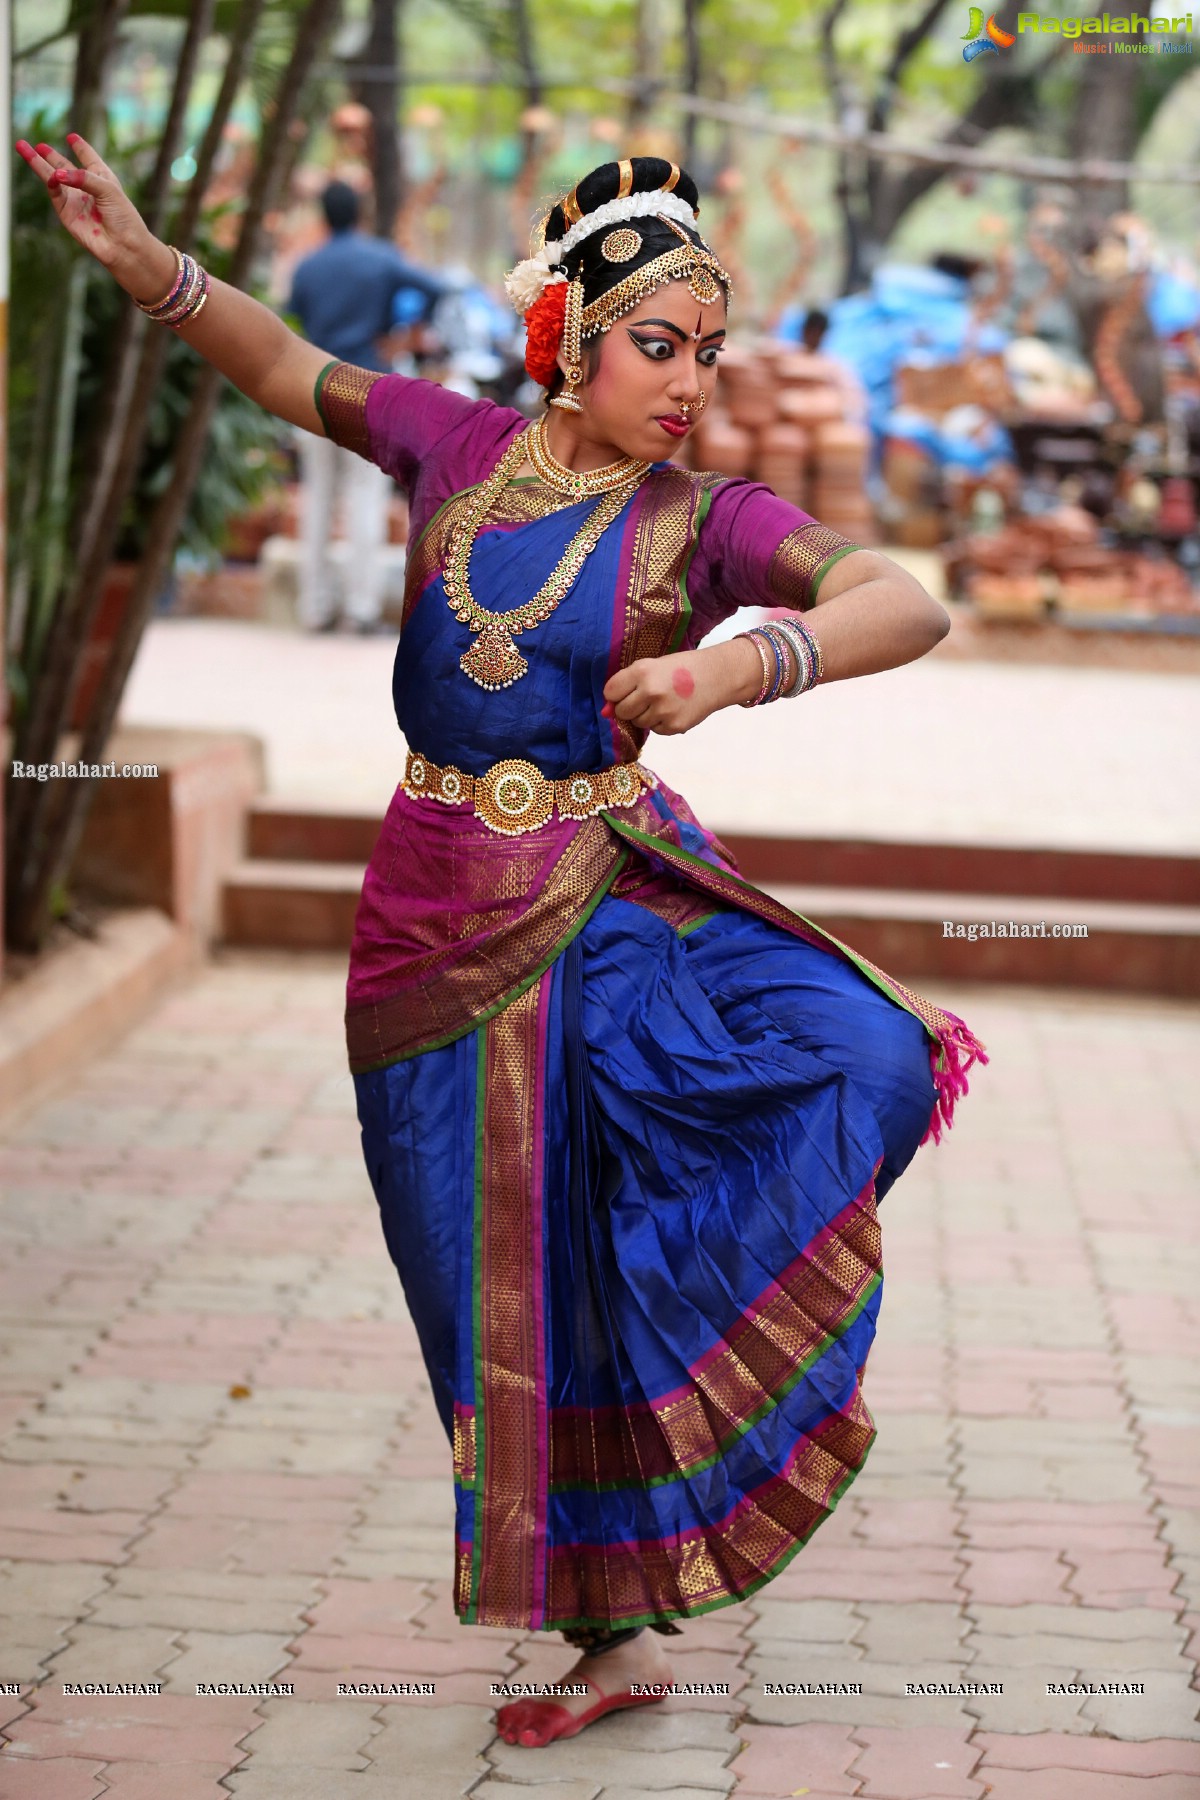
[986, 37]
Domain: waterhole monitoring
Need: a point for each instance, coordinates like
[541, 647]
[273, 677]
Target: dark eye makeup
[658, 349]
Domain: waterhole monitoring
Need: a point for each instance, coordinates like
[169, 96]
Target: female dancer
[627, 1118]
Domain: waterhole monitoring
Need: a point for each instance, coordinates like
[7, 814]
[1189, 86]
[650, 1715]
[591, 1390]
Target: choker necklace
[493, 661]
[580, 483]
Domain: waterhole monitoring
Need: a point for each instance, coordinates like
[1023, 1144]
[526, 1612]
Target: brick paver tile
[153, 1728]
[325, 1736]
[1019, 1699]
[925, 1761]
[1159, 1756]
[1094, 1622]
[132, 1653]
[593, 1754]
[1014, 1577]
[778, 1759]
[1168, 1708]
[912, 1631]
[582, 1789]
[144, 1781]
[205, 1600]
[51, 1778]
[806, 1622]
[330, 1784]
[1076, 1784]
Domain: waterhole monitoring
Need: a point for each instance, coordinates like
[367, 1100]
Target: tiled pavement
[221, 1461]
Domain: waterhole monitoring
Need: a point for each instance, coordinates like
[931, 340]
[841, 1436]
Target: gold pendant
[493, 660]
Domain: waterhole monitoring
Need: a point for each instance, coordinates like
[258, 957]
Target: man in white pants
[344, 296]
[334, 476]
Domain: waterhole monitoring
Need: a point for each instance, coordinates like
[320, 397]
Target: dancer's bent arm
[237, 334]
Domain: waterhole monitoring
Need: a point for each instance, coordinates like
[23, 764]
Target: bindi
[684, 683]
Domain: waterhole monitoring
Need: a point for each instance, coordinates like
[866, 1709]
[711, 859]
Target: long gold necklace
[493, 661]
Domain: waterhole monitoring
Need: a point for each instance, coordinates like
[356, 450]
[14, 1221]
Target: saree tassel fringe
[956, 1052]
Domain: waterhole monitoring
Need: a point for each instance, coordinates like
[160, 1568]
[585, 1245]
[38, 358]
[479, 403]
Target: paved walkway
[941, 750]
[222, 1463]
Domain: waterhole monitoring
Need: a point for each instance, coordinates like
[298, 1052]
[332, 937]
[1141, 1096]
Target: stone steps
[299, 884]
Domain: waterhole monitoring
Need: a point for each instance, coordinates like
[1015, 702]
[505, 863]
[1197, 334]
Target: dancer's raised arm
[237, 334]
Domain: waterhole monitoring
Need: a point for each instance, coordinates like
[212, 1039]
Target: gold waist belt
[514, 796]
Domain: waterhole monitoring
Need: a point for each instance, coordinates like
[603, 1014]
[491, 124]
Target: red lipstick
[674, 424]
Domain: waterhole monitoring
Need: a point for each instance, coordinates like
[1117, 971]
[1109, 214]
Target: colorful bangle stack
[186, 297]
[791, 660]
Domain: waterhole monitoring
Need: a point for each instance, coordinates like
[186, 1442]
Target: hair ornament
[621, 245]
[656, 204]
[526, 284]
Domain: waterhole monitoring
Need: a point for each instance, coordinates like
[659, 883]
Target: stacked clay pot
[780, 418]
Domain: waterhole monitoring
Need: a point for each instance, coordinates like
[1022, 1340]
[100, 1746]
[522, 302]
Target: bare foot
[642, 1662]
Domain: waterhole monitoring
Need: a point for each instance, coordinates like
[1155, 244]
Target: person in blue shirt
[344, 295]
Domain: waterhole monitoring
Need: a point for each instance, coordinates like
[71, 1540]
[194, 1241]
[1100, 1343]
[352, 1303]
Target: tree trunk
[380, 94]
[96, 43]
[123, 416]
[1104, 124]
[693, 74]
[67, 803]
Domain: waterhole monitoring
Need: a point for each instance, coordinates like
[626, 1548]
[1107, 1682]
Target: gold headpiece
[690, 262]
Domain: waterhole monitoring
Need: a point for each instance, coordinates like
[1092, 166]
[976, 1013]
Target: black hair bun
[650, 173]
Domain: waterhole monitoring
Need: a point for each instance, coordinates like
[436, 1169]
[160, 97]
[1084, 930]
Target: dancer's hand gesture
[91, 204]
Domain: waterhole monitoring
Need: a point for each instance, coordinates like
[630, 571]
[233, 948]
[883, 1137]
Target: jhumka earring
[572, 345]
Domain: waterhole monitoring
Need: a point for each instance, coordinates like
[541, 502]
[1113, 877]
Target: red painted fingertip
[606, 711]
[73, 137]
[45, 150]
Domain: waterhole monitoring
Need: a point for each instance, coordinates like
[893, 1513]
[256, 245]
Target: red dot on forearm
[684, 683]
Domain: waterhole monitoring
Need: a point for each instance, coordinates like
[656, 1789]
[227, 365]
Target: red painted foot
[534, 1723]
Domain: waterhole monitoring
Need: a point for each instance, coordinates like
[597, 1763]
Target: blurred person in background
[344, 295]
[854, 396]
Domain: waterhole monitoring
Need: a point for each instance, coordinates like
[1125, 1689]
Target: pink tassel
[955, 1052]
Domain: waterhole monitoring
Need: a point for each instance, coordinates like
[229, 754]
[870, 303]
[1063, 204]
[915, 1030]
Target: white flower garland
[526, 284]
[657, 204]
[529, 280]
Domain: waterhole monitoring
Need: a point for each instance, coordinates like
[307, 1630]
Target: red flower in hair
[544, 326]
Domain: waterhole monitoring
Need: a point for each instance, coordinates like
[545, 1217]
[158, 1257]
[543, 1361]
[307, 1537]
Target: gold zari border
[341, 398]
[506, 1503]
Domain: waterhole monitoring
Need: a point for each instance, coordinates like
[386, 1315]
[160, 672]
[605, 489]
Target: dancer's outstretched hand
[91, 203]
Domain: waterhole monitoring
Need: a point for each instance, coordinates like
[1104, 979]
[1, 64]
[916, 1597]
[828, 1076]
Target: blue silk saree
[627, 1119]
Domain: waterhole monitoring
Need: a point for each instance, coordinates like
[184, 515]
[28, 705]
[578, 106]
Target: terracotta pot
[724, 446]
[811, 406]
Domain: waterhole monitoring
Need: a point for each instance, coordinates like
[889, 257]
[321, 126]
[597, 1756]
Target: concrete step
[1128, 948]
[298, 834]
[291, 904]
[1148, 949]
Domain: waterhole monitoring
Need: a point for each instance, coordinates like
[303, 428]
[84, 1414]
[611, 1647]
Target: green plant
[244, 453]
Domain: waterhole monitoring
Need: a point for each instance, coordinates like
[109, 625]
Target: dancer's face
[654, 365]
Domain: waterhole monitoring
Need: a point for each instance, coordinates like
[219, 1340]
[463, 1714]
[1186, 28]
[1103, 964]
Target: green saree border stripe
[675, 853]
[318, 390]
[768, 1404]
[685, 611]
[695, 924]
[527, 981]
[822, 569]
[469, 1615]
[760, 1581]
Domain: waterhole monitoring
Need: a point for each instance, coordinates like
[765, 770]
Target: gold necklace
[579, 482]
[493, 660]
